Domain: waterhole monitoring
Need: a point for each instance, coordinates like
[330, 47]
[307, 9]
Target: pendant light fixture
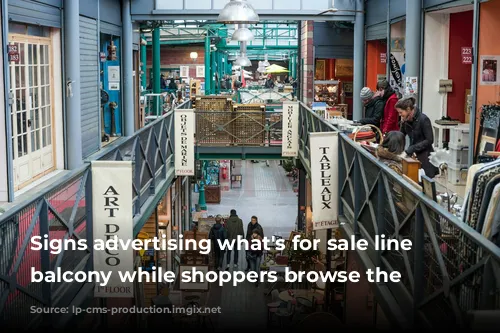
[242, 33]
[266, 62]
[243, 60]
[238, 11]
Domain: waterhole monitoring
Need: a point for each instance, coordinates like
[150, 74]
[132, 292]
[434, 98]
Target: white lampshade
[243, 61]
[242, 34]
[193, 55]
[238, 11]
[266, 63]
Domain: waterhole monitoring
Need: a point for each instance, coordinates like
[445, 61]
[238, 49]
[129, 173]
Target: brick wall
[307, 56]
[178, 56]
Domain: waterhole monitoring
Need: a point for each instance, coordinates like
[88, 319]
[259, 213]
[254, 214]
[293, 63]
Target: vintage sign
[324, 179]
[290, 126]
[13, 53]
[383, 58]
[112, 218]
[184, 142]
[467, 55]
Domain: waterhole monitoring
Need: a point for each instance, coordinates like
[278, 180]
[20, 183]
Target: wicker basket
[374, 128]
[249, 122]
[213, 113]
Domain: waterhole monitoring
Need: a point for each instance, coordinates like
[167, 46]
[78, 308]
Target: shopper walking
[252, 226]
[234, 226]
[418, 127]
[254, 256]
[374, 107]
[390, 118]
[217, 235]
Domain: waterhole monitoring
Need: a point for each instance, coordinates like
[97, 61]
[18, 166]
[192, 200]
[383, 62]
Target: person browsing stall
[374, 108]
[390, 119]
[418, 127]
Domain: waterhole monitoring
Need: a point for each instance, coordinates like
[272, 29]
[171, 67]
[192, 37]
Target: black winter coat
[251, 227]
[421, 135]
[374, 112]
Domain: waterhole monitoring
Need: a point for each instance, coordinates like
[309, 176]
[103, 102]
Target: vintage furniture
[213, 194]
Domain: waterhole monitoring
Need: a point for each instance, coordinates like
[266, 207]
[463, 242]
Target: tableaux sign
[290, 122]
[324, 179]
[112, 218]
[184, 142]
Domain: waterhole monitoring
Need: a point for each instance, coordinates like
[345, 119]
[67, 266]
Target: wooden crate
[212, 113]
[248, 124]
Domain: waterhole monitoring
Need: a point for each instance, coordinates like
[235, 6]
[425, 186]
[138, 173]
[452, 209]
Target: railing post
[151, 159]
[381, 202]
[342, 175]
[45, 259]
[418, 262]
[301, 199]
[89, 227]
[137, 175]
[357, 191]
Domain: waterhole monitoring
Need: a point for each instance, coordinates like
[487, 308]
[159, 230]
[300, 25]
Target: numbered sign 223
[466, 55]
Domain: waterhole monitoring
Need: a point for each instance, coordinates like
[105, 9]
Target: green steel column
[201, 198]
[144, 82]
[156, 70]
[207, 66]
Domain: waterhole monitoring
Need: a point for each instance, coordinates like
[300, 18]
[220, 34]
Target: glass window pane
[19, 122]
[33, 141]
[35, 54]
[17, 28]
[30, 76]
[13, 148]
[49, 135]
[22, 58]
[42, 75]
[35, 76]
[49, 115]
[44, 117]
[47, 95]
[47, 75]
[42, 54]
[23, 77]
[25, 122]
[25, 144]
[43, 96]
[44, 137]
[30, 54]
[20, 146]
[38, 141]
[37, 119]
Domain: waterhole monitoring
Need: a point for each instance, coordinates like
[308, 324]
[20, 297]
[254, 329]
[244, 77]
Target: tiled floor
[267, 193]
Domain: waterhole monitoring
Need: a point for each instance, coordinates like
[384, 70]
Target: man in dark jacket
[217, 235]
[252, 226]
[374, 108]
[234, 227]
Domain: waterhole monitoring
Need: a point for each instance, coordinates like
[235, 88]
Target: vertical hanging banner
[184, 142]
[324, 179]
[112, 218]
[290, 125]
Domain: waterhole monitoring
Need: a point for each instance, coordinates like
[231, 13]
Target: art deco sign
[184, 142]
[290, 123]
[112, 217]
[324, 179]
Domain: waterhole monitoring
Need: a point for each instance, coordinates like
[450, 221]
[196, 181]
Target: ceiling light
[238, 11]
[193, 55]
[265, 63]
[243, 61]
[243, 34]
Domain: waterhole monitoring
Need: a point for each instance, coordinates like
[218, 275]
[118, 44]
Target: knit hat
[366, 93]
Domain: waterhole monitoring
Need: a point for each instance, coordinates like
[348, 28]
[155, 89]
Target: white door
[31, 112]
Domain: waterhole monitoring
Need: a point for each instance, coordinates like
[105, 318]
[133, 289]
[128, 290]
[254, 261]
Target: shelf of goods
[326, 91]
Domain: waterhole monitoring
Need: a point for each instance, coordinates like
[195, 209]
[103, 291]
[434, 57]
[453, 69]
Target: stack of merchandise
[459, 151]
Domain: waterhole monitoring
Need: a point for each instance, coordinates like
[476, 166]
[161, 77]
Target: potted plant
[302, 259]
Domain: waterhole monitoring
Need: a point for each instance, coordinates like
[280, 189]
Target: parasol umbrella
[273, 69]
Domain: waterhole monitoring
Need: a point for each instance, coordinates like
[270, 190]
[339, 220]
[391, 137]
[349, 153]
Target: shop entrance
[31, 112]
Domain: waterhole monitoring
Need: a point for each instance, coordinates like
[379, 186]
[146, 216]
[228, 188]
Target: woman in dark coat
[418, 127]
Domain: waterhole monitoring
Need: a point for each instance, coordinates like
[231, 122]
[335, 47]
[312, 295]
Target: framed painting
[398, 44]
[319, 73]
[429, 187]
[343, 68]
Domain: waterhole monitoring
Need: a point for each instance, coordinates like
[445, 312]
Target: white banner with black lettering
[184, 142]
[324, 179]
[112, 217]
[290, 125]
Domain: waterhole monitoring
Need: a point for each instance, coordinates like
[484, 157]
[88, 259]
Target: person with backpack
[218, 234]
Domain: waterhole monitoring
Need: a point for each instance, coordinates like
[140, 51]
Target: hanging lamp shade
[243, 61]
[243, 34]
[266, 62]
[238, 11]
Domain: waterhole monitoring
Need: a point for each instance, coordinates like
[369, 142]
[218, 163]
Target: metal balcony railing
[64, 211]
[450, 270]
